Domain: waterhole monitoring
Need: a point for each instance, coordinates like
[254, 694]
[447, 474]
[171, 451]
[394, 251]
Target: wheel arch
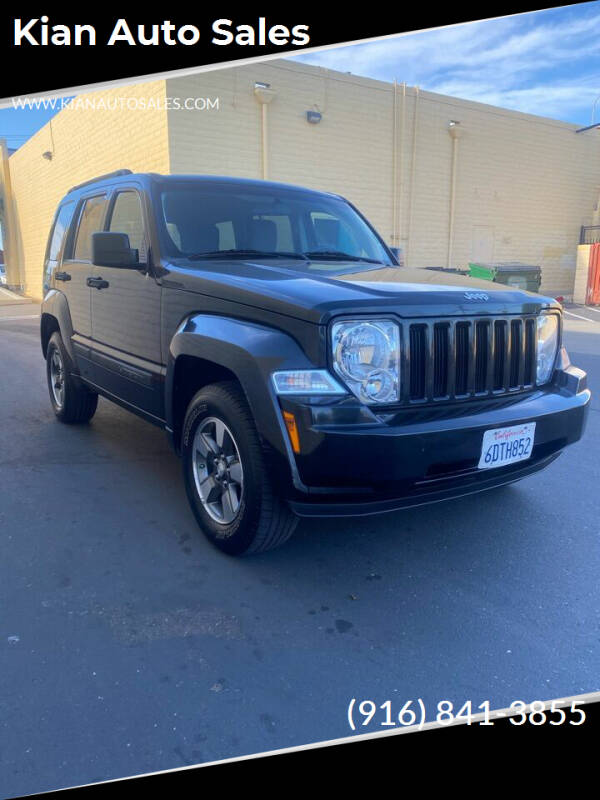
[208, 348]
[48, 325]
[55, 316]
[191, 373]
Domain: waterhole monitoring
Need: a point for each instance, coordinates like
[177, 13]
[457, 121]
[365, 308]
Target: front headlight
[366, 356]
[547, 345]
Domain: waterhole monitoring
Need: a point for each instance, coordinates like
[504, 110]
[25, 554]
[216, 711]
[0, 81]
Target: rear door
[126, 342]
[76, 265]
[56, 246]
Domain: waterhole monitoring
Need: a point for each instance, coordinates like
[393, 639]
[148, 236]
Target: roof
[146, 178]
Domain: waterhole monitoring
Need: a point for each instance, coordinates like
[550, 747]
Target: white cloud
[557, 101]
[543, 63]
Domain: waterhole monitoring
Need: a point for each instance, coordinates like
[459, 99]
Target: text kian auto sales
[39, 31]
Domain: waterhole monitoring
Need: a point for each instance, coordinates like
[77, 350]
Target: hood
[315, 291]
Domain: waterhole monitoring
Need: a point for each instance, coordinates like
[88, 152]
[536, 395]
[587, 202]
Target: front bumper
[354, 462]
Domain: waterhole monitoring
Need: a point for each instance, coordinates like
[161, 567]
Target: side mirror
[113, 250]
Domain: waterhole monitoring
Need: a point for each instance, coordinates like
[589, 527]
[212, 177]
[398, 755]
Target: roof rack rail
[117, 173]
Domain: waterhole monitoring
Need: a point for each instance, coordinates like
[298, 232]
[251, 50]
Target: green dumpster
[511, 273]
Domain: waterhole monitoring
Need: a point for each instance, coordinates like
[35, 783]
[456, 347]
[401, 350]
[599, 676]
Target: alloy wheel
[218, 472]
[57, 378]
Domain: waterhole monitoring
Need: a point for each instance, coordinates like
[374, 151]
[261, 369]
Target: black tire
[72, 402]
[261, 520]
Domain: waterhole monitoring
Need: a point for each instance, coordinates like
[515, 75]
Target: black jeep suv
[296, 367]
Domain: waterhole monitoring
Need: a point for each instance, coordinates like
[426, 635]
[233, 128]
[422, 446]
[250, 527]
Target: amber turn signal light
[292, 429]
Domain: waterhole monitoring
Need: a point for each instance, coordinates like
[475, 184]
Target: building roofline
[425, 94]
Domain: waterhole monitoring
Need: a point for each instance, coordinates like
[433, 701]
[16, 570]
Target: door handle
[97, 283]
[62, 276]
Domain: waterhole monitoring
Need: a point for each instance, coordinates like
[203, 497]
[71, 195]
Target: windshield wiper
[337, 255]
[243, 252]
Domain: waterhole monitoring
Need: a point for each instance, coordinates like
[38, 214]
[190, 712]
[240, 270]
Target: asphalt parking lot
[128, 644]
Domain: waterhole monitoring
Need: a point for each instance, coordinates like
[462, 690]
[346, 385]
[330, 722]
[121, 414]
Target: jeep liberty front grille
[455, 359]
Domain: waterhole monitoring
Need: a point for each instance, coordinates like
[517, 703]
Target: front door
[126, 314]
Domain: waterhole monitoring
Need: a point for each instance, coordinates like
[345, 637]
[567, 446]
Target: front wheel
[225, 476]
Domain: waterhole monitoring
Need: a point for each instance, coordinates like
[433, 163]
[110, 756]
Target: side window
[90, 221]
[127, 217]
[61, 224]
[57, 239]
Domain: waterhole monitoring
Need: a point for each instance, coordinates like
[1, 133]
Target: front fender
[252, 352]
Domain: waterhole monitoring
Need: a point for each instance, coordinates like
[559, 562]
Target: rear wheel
[72, 402]
[225, 477]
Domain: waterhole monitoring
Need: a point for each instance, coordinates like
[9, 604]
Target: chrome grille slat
[507, 354]
[440, 359]
[515, 353]
[451, 358]
[523, 356]
[489, 384]
[448, 359]
[481, 355]
[462, 359]
[500, 349]
[472, 345]
[429, 360]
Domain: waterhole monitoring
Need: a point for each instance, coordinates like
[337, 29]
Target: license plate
[503, 446]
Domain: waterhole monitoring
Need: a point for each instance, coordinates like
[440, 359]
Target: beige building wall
[84, 143]
[9, 231]
[524, 184]
[582, 270]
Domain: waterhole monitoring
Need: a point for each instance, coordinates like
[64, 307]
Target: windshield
[230, 220]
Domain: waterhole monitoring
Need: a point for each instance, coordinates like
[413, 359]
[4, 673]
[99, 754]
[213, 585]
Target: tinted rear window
[90, 221]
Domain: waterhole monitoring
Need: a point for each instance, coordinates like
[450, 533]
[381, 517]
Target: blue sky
[545, 63]
[17, 125]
